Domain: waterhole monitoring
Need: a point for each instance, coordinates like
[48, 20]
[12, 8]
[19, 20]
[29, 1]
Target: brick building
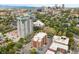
[39, 40]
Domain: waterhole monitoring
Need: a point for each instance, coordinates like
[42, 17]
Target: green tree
[18, 45]
[71, 43]
[33, 51]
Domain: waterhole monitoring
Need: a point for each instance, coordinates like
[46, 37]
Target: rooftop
[54, 46]
[60, 42]
[61, 39]
[13, 35]
[50, 52]
[77, 25]
[38, 23]
[39, 36]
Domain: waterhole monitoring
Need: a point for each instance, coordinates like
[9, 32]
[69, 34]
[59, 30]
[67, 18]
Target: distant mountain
[13, 6]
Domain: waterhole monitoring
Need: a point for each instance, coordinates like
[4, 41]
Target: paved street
[75, 48]
[76, 40]
[76, 37]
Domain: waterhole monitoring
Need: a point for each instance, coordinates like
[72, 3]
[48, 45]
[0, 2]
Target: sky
[38, 3]
[66, 5]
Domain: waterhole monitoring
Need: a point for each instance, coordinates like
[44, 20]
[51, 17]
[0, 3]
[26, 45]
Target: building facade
[59, 45]
[24, 25]
[39, 40]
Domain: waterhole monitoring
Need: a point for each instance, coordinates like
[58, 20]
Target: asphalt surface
[76, 40]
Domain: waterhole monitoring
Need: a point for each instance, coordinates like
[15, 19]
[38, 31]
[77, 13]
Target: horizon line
[41, 5]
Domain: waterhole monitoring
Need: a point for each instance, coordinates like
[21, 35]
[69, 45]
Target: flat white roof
[77, 25]
[54, 46]
[39, 36]
[50, 52]
[61, 39]
[38, 23]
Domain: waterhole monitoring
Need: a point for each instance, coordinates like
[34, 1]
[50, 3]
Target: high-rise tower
[63, 6]
[24, 24]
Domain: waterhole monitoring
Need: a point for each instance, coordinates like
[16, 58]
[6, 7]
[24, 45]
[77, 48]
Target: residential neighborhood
[39, 30]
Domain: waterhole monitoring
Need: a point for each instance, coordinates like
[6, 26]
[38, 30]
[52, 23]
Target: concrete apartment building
[59, 45]
[39, 40]
[24, 24]
[38, 24]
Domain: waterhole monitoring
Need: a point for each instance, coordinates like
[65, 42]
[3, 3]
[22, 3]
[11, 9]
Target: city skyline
[40, 5]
